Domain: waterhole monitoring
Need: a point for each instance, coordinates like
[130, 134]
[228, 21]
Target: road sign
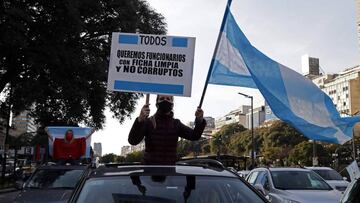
[157, 64]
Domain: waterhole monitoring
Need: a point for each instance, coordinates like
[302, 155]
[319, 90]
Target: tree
[55, 56]
[135, 156]
[303, 153]
[224, 138]
[108, 158]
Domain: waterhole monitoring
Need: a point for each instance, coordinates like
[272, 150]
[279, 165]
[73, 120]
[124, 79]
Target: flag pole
[227, 9]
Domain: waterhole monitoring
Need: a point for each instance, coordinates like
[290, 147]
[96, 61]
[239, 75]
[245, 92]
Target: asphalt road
[8, 197]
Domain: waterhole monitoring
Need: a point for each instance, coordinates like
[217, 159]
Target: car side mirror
[260, 188]
[19, 184]
[345, 178]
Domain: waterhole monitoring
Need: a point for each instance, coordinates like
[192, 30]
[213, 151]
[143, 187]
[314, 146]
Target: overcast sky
[284, 30]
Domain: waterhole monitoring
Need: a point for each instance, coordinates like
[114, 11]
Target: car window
[298, 180]
[259, 177]
[329, 174]
[265, 181]
[54, 178]
[146, 189]
[252, 177]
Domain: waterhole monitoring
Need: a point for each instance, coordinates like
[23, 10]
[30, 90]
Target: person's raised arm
[194, 134]
[138, 130]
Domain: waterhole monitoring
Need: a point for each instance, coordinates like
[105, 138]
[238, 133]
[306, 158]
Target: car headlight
[289, 201]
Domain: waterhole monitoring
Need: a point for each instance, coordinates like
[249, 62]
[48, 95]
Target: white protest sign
[353, 171]
[151, 64]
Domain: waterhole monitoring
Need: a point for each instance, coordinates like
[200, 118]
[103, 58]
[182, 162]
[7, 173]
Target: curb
[7, 190]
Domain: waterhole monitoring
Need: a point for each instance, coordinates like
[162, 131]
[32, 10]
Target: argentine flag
[293, 98]
[59, 132]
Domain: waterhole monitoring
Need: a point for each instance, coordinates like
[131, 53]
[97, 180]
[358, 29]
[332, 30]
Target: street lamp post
[252, 129]
[353, 138]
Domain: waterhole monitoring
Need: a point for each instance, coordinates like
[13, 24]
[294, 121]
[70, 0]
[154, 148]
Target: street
[8, 197]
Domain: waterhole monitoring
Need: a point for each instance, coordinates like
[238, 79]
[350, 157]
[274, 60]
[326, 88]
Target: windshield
[146, 189]
[298, 180]
[54, 178]
[329, 174]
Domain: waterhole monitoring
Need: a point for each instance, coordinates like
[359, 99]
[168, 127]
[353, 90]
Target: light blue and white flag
[293, 98]
[59, 132]
[227, 65]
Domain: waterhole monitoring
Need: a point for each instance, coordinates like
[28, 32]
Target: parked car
[243, 173]
[179, 183]
[53, 183]
[352, 193]
[332, 177]
[292, 185]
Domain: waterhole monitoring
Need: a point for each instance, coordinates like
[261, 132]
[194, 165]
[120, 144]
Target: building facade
[343, 89]
[23, 123]
[259, 117]
[210, 125]
[235, 116]
[125, 150]
[97, 149]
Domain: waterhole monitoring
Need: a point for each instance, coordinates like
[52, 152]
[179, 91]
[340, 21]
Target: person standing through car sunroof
[161, 131]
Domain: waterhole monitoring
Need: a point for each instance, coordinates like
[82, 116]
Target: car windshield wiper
[70, 188]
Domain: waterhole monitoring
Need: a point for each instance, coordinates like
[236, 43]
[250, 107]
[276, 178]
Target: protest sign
[156, 64]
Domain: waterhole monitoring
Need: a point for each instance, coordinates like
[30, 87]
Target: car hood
[341, 183]
[41, 195]
[310, 196]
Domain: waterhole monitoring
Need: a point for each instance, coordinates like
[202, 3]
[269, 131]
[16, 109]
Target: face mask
[69, 137]
[165, 106]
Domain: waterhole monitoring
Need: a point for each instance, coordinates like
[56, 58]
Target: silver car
[332, 177]
[292, 185]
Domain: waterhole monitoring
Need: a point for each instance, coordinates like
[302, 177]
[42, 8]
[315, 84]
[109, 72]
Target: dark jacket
[161, 136]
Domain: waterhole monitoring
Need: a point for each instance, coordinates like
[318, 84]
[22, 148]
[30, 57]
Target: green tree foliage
[108, 158]
[55, 55]
[281, 134]
[135, 156]
[303, 153]
[120, 159]
[224, 140]
[192, 148]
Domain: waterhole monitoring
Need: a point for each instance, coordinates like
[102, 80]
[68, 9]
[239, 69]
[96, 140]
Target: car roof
[285, 169]
[149, 170]
[62, 167]
[318, 168]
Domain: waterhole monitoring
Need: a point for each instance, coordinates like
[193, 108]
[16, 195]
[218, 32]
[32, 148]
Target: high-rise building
[23, 123]
[259, 117]
[310, 66]
[97, 149]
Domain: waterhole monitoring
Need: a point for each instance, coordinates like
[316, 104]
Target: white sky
[282, 29]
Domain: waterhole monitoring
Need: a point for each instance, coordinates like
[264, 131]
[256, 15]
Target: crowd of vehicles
[197, 180]
[188, 181]
[203, 179]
